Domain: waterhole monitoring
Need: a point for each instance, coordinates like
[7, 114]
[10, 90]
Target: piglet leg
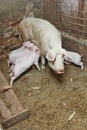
[12, 68]
[42, 64]
[12, 79]
[11, 74]
[66, 62]
[37, 66]
[82, 66]
[8, 62]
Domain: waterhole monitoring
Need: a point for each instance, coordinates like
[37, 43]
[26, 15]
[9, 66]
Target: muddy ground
[51, 98]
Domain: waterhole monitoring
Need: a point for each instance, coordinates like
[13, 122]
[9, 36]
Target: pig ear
[50, 56]
[69, 59]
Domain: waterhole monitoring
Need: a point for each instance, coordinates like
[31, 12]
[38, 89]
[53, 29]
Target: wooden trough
[15, 112]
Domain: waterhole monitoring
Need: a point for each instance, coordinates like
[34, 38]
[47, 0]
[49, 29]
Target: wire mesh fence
[69, 16]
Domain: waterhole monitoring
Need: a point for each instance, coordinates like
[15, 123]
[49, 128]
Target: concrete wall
[12, 11]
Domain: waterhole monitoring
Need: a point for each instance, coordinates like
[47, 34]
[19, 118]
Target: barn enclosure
[69, 16]
[47, 101]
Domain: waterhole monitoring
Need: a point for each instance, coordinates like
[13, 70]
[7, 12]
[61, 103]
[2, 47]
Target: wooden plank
[16, 113]
[15, 119]
[12, 100]
[3, 80]
[4, 88]
[5, 113]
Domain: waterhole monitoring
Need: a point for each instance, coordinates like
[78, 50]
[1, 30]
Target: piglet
[73, 57]
[21, 64]
[18, 52]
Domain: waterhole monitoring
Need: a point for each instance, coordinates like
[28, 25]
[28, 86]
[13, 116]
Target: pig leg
[16, 73]
[12, 68]
[11, 74]
[42, 63]
[8, 62]
[82, 66]
[20, 38]
[66, 62]
[12, 79]
[37, 65]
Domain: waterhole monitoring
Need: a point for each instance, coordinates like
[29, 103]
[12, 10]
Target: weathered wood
[16, 112]
[4, 88]
[3, 81]
[5, 113]
[15, 119]
[12, 100]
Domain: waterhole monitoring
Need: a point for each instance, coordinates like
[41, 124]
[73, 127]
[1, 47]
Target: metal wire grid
[67, 16]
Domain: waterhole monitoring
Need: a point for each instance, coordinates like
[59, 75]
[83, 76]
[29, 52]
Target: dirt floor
[51, 98]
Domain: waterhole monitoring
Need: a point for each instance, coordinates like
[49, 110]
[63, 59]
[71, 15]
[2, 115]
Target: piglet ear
[50, 56]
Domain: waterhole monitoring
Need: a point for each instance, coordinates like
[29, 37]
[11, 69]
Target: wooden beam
[14, 103]
[3, 81]
[15, 119]
[11, 98]
[15, 113]
[5, 113]
[4, 88]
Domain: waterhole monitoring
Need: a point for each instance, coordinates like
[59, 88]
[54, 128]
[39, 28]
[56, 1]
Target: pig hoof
[11, 83]
[82, 66]
[8, 63]
[66, 62]
[39, 69]
[43, 68]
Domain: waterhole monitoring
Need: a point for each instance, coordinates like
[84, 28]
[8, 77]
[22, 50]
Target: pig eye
[37, 51]
[53, 61]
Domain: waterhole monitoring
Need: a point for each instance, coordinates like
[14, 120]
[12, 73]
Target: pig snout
[57, 67]
[60, 72]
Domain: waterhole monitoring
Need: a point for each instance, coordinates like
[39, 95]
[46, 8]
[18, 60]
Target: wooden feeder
[15, 112]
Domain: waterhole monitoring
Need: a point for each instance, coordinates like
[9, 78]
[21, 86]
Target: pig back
[43, 32]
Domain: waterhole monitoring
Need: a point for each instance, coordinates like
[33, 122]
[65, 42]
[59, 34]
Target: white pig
[73, 57]
[48, 39]
[21, 64]
[19, 52]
